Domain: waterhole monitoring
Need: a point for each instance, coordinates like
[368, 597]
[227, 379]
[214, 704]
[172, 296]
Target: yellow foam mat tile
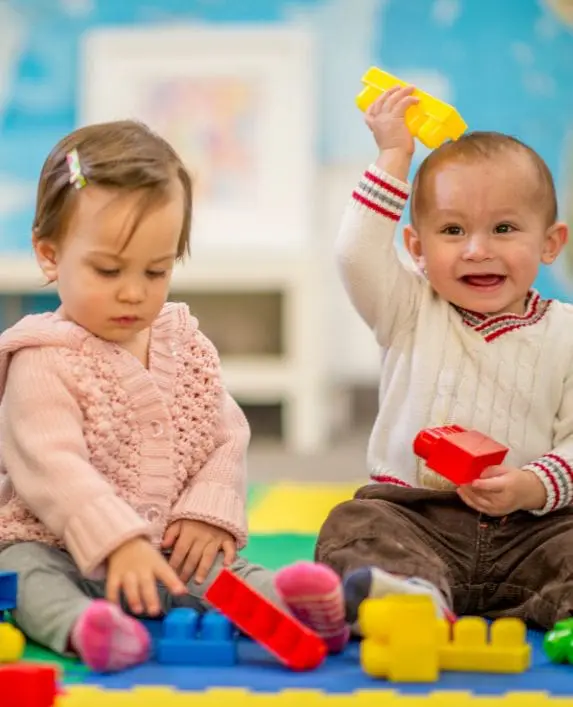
[297, 508]
[88, 696]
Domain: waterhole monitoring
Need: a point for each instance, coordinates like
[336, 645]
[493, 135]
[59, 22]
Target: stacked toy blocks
[401, 638]
[295, 645]
[190, 638]
[405, 642]
[432, 121]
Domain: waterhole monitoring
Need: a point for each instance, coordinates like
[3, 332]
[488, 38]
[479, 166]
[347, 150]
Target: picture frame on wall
[237, 104]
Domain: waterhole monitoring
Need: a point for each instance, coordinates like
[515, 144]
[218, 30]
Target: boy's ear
[554, 241]
[46, 256]
[414, 247]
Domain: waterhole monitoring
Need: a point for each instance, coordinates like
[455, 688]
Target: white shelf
[21, 274]
[296, 379]
[259, 379]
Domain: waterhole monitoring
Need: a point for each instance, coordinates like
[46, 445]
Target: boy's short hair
[479, 145]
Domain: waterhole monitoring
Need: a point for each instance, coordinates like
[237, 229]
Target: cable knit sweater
[508, 376]
[97, 449]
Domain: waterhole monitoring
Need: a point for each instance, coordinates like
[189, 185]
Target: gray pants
[52, 593]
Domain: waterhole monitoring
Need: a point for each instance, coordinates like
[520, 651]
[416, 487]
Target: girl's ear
[46, 256]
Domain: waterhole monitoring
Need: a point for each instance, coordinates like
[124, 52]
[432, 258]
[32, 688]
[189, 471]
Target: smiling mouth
[483, 281]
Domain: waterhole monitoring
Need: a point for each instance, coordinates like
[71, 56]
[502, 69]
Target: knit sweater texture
[96, 449]
[508, 376]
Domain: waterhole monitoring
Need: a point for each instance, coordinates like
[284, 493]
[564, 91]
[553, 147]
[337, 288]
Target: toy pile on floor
[403, 642]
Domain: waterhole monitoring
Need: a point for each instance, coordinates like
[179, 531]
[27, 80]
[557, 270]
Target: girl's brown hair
[123, 155]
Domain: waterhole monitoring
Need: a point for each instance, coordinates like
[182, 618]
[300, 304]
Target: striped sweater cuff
[382, 193]
[386, 479]
[556, 474]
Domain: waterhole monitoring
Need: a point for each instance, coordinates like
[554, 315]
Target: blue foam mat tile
[260, 672]
[8, 590]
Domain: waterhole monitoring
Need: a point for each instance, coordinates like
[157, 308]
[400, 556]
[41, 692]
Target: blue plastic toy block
[190, 638]
[8, 591]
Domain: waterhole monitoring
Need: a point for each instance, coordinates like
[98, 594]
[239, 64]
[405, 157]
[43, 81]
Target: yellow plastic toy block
[504, 650]
[404, 641]
[84, 696]
[432, 121]
[401, 638]
[12, 643]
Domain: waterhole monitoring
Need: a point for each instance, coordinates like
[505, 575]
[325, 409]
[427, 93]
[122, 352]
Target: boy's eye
[504, 228]
[452, 230]
[156, 273]
[107, 273]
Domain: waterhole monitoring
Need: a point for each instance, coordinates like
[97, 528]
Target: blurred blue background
[506, 66]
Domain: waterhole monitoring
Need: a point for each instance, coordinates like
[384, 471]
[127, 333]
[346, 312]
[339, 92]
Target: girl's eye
[504, 228]
[107, 273]
[156, 273]
[452, 230]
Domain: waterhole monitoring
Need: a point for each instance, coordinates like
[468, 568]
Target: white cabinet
[272, 348]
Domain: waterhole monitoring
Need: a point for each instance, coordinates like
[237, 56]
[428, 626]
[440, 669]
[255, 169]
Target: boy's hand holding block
[432, 121]
[457, 454]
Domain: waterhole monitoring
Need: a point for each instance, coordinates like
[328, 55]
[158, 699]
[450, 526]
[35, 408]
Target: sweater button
[152, 514]
[157, 428]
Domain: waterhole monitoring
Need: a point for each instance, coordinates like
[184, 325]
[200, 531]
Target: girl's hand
[195, 547]
[136, 567]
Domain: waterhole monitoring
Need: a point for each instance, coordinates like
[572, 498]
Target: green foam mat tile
[274, 551]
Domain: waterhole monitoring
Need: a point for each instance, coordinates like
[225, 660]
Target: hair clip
[76, 177]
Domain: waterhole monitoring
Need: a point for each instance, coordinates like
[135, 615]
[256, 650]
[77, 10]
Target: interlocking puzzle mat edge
[88, 696]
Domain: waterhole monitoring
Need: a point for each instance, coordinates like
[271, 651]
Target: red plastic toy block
[27, 685]
[293, 644]
[458, 454]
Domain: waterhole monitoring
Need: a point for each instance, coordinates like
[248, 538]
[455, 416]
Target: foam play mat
[284, 520]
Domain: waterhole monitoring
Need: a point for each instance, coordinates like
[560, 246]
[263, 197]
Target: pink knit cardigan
[96, 449]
